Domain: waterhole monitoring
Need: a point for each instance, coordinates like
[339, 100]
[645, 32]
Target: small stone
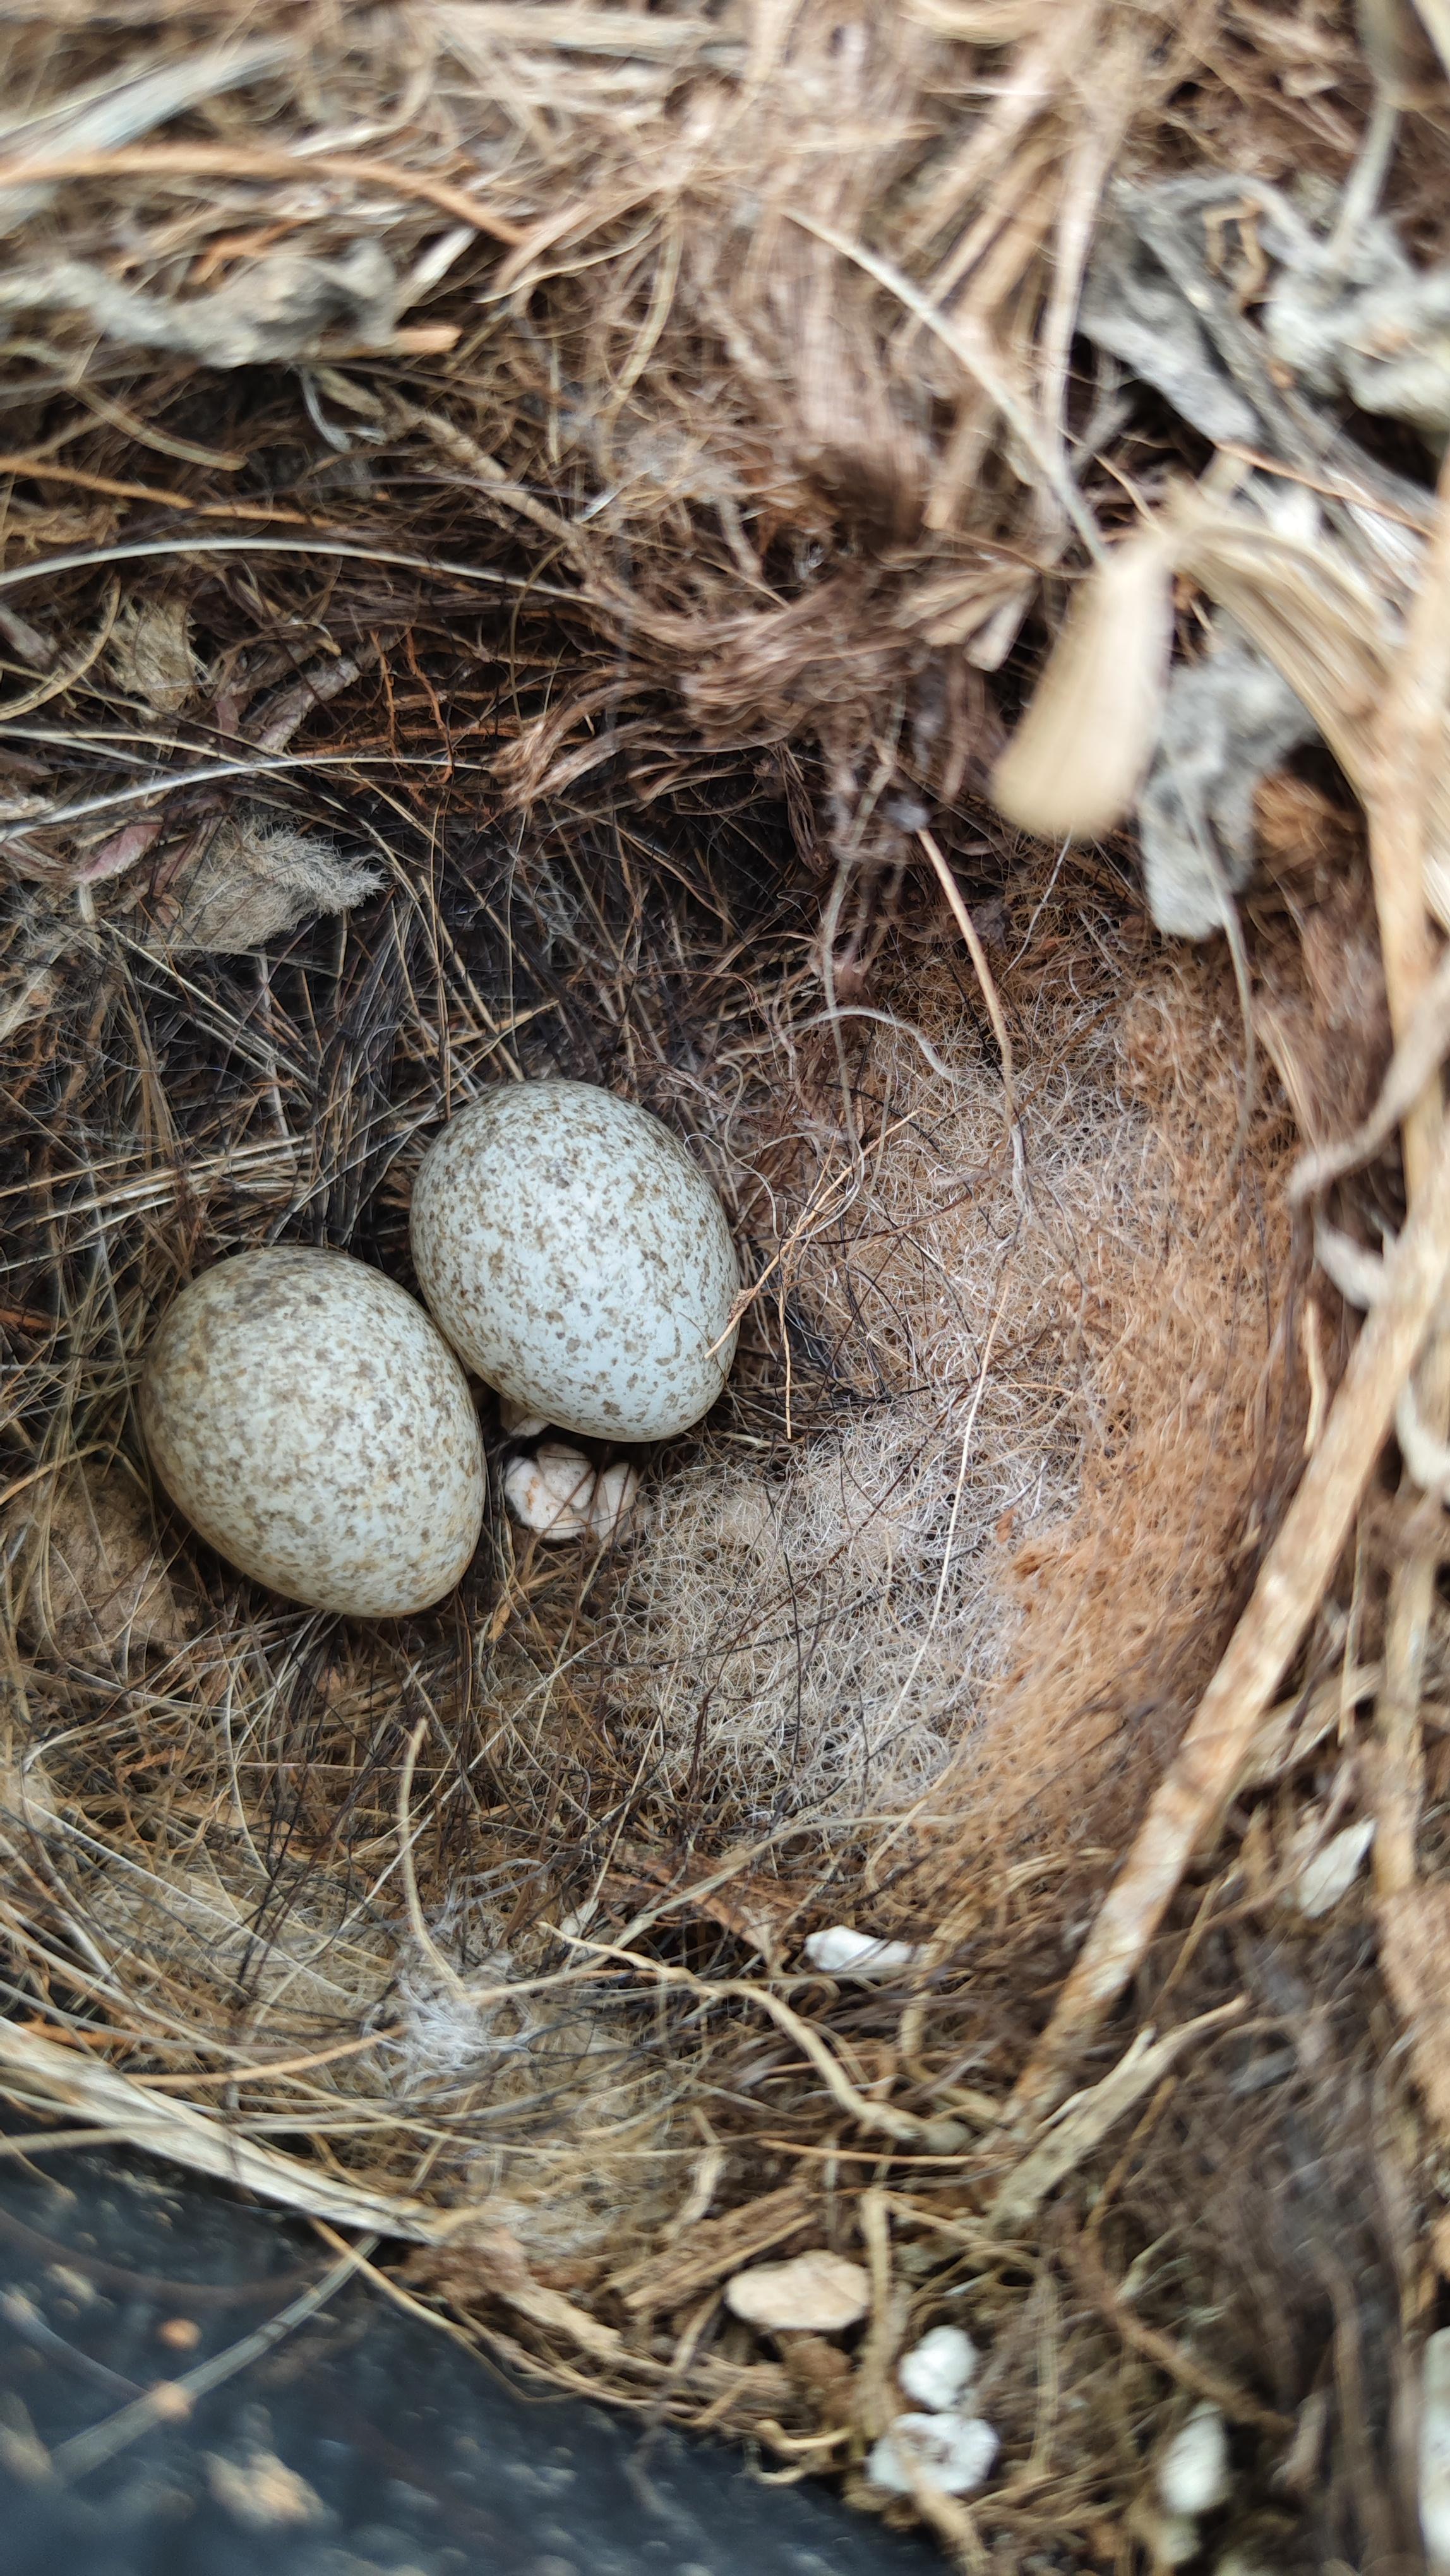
[815, 2294]
[935, 2371]
[840, 1952]
[950, 2452]
[552, 1492]
[1193, 2474]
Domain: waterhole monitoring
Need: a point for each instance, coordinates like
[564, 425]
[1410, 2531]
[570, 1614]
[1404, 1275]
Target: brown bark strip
[716, 2246]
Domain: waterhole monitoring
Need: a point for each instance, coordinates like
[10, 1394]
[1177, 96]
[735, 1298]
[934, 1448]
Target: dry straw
[569, 539]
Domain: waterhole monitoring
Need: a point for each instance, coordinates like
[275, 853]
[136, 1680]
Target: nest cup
[800, 571]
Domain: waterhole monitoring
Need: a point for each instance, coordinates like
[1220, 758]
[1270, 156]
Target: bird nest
[870, 581]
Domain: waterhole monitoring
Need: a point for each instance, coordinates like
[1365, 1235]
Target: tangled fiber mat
[872, 580]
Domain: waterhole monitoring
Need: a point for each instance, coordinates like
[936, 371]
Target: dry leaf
[1081, 752]
[277, 309]
[1227, 722]
[1329, 1874]
[1084, 2120]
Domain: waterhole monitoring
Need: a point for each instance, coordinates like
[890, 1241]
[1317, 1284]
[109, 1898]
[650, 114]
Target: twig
[407, 1836]
[224, 161]
[395, 2291]
[978, 955]
[60, 2077]
[187, 2137]
[1085, 2121]
[1290, 1587]
[149, 549]
[972, 349]
[1197, 2376]
[173, 2399]
[36, 471]
[884, 2116]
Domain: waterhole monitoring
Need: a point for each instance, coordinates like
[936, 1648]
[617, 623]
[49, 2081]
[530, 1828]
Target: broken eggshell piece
[1193, 2473]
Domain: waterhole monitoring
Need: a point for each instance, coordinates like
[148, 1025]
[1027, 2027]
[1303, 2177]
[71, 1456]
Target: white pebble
[816, 2293]
[558, 1494]
[552, 1492]
[516, 1421]
[1435, 2451]
[840, 1952]
[616, 1491]
[1193, 2474]
[950, 2452]
[1332, 1872]
[935, 2371]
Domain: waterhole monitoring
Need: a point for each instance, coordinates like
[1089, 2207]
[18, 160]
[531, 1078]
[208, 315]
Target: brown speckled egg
[310, 1421]
[577, 1259]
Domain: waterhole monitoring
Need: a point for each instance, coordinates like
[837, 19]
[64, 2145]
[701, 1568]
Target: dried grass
[525, 528]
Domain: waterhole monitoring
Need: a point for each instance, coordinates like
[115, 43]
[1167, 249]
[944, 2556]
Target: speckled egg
[313, 1424]
[575, 1256]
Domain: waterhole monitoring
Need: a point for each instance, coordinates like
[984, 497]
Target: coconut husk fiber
[874, 582]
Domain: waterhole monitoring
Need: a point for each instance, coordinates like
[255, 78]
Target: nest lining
[682, 427]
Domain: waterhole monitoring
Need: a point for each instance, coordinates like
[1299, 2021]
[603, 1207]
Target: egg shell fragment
[313, 1425]
[576, 1258]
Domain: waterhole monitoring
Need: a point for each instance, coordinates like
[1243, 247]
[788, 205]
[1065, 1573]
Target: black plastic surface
[365, 2444]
